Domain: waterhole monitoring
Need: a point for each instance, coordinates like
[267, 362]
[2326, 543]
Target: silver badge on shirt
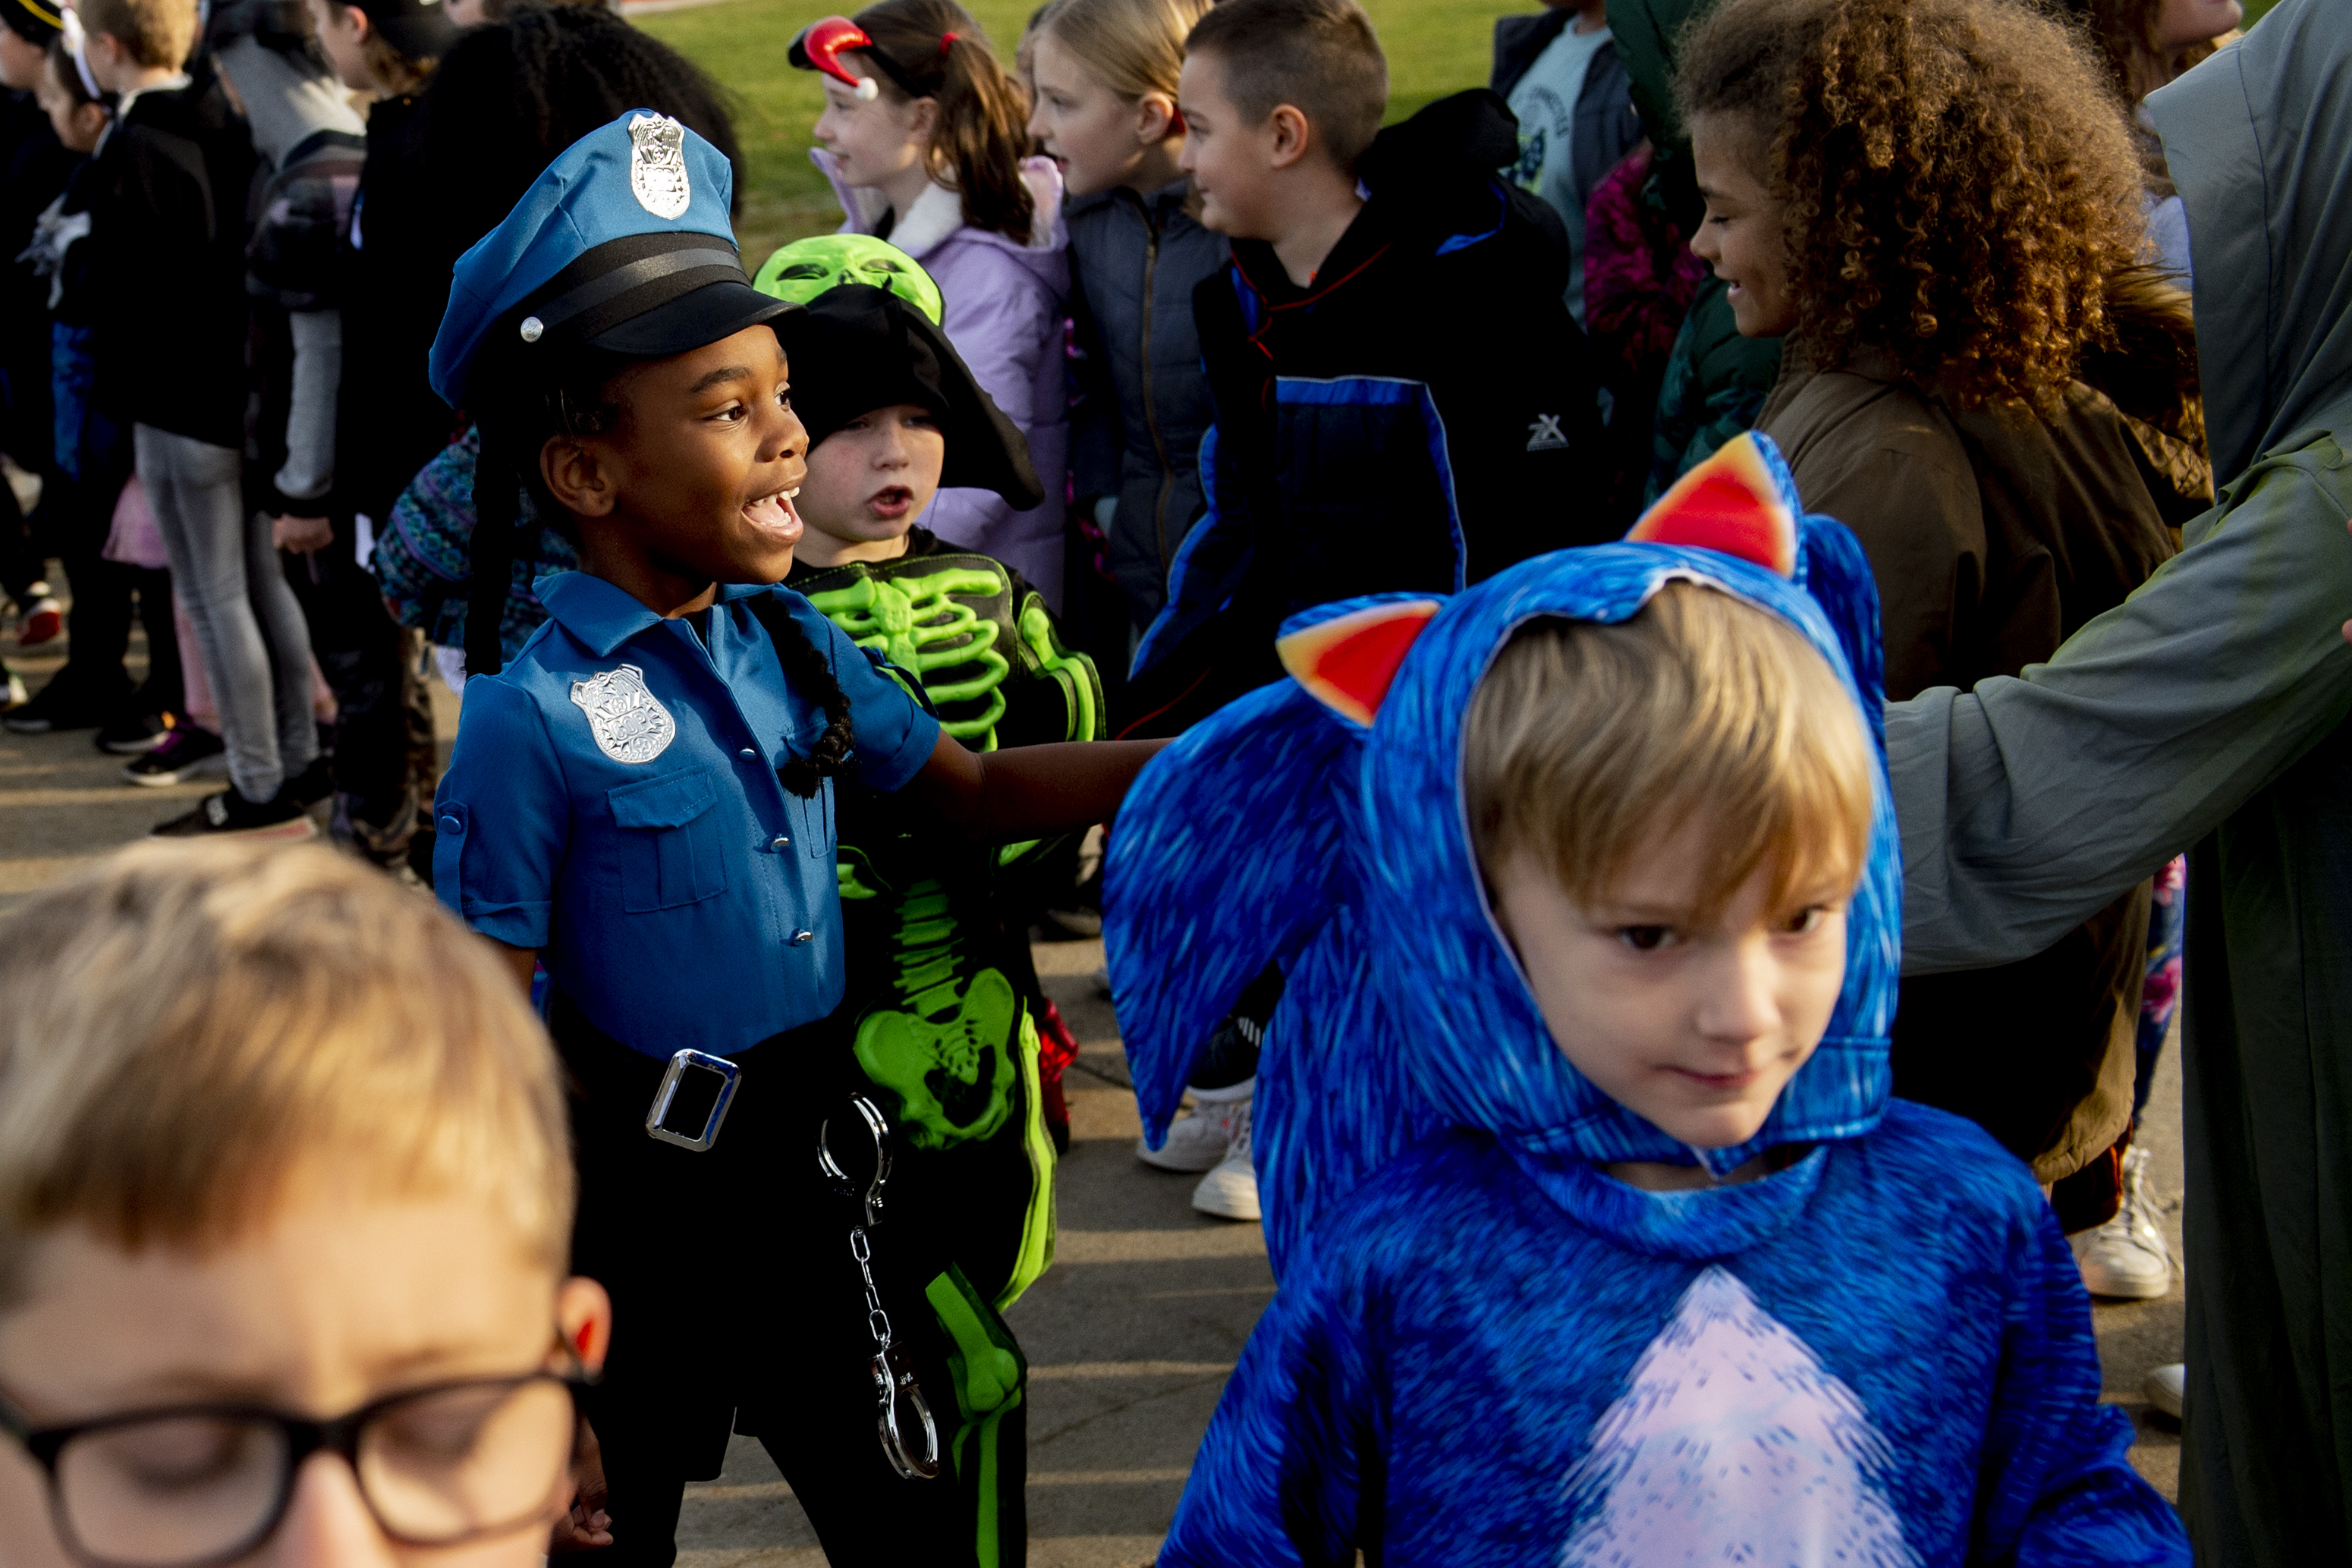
[629, 723]
[657, 166]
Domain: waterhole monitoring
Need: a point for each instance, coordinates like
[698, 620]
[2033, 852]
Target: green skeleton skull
[807, 267]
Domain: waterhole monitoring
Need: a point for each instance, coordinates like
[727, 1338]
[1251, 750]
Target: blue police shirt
[612, 801]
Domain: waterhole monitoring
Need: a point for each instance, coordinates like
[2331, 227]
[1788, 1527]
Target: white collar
[936, 213]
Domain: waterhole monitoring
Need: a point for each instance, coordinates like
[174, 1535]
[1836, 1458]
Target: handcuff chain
[877, 1322]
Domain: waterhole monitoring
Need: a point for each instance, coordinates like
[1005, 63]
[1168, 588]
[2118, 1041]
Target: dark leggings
[737, 1305]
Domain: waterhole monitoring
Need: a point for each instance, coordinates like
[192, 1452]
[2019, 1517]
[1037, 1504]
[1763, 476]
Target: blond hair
[185, 1029]
[1585, 741]
[155, 33]
[1131, 46]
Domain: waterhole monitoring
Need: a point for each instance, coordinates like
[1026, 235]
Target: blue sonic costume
[1486, 1349]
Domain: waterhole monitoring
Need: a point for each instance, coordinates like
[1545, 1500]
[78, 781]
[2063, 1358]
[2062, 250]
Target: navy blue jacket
[1420, 416]
[1143, 401]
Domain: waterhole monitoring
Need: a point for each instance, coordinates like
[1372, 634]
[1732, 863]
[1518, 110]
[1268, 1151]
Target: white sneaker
[2126, 1257]
[1199, 1142]
[1229, 1191]
[2163, 1387]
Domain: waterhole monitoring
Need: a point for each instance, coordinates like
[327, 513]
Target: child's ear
[580, 483]
[1156, 118]
[925, 120]
[1290, 131]
[583, 1315]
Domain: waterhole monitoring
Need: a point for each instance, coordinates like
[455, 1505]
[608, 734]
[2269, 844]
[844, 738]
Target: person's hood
[2259, 141]
[1644, 32]
[288, 99]
[1319, 824]
[1476, 1041]
[1439, 168]
[937, 217]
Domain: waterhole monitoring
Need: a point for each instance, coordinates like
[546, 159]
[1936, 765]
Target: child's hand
[303, 536]
[587, 1526]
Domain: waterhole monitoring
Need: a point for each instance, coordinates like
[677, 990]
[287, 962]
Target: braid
[806, 667]
[497, 521]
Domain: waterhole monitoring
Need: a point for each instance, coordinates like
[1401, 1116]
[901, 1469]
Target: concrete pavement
[1130, 1335]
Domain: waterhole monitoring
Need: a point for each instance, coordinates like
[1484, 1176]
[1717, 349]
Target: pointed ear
[1346, 663]
[1734, 502]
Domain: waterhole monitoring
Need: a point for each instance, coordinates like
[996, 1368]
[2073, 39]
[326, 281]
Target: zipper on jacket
[1151, 414]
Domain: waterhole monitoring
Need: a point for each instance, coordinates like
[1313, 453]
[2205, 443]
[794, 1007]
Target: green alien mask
[807, 267]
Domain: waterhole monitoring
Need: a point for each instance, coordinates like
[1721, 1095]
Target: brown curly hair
[1957, 179]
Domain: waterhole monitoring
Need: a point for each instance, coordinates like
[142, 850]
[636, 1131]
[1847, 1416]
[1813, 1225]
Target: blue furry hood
[1337, 849]
[1472, 1036]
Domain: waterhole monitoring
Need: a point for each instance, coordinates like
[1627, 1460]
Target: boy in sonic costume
[950, 1017]
[1595, 1274]
[646, 799]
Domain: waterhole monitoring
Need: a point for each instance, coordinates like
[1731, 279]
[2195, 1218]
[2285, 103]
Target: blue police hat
[621, 245]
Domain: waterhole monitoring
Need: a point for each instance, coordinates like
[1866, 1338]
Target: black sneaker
[229, 812]
[55, 709]
[312, 785]
[131, 734]
[185, 752]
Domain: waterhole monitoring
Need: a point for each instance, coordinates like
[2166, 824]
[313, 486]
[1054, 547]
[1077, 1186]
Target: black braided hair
[524, 405]
[496, 519]
[807, 668]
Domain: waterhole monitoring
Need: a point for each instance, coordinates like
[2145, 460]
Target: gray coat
[1142, 404]
[2208, 710]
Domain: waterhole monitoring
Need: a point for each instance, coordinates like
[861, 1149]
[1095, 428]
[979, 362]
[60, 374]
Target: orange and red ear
[1733, 502]
[1346, 663]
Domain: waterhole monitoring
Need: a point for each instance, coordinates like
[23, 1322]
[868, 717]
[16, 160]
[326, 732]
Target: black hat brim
[693, 319]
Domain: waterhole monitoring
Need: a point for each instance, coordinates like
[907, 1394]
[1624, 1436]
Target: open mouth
[890, 503]
[773, 514]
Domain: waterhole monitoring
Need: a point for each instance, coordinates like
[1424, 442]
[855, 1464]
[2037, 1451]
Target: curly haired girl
[1936, 205]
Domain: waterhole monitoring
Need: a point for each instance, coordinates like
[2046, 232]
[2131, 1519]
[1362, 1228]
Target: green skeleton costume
[939, 979]
[939, 971]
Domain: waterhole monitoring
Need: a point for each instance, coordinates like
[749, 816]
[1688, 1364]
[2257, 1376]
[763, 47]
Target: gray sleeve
[310, 470]
[2030, 803]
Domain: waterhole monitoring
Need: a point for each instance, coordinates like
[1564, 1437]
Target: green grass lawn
[1434, 47]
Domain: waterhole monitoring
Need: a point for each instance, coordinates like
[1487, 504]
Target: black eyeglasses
[196, 1484]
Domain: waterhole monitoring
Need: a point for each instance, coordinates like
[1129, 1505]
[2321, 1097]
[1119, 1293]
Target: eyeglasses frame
[304, 1438]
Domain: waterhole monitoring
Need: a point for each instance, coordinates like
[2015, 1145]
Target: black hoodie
[1418, 417]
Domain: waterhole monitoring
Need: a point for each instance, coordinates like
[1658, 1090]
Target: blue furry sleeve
[1280, 1478]
[2057, 1489]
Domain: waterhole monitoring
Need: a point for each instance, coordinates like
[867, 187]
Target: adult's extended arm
[1028, 791]
[2029, 803]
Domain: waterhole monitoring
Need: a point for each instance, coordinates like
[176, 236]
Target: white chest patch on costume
[1732, 1444]
[657, 166]
[629, 723]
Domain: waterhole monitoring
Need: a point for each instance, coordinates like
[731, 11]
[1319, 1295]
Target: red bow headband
[821, 44]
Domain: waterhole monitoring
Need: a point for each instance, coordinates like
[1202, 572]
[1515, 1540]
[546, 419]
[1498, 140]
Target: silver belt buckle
[680, 1064]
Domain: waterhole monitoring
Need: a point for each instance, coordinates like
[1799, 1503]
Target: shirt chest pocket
[671, 845]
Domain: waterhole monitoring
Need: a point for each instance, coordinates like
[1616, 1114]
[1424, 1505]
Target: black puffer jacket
[1143, 401]
[1420, 416]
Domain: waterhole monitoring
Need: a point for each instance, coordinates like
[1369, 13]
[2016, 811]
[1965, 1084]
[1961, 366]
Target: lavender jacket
[1005, 303]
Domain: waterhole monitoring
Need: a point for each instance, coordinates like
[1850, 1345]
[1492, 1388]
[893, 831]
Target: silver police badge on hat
[629, 723]
[657, 166]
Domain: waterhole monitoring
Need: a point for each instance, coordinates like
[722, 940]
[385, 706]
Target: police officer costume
[614, 802]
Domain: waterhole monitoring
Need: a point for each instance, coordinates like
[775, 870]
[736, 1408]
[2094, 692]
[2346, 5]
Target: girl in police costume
[644, 802]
